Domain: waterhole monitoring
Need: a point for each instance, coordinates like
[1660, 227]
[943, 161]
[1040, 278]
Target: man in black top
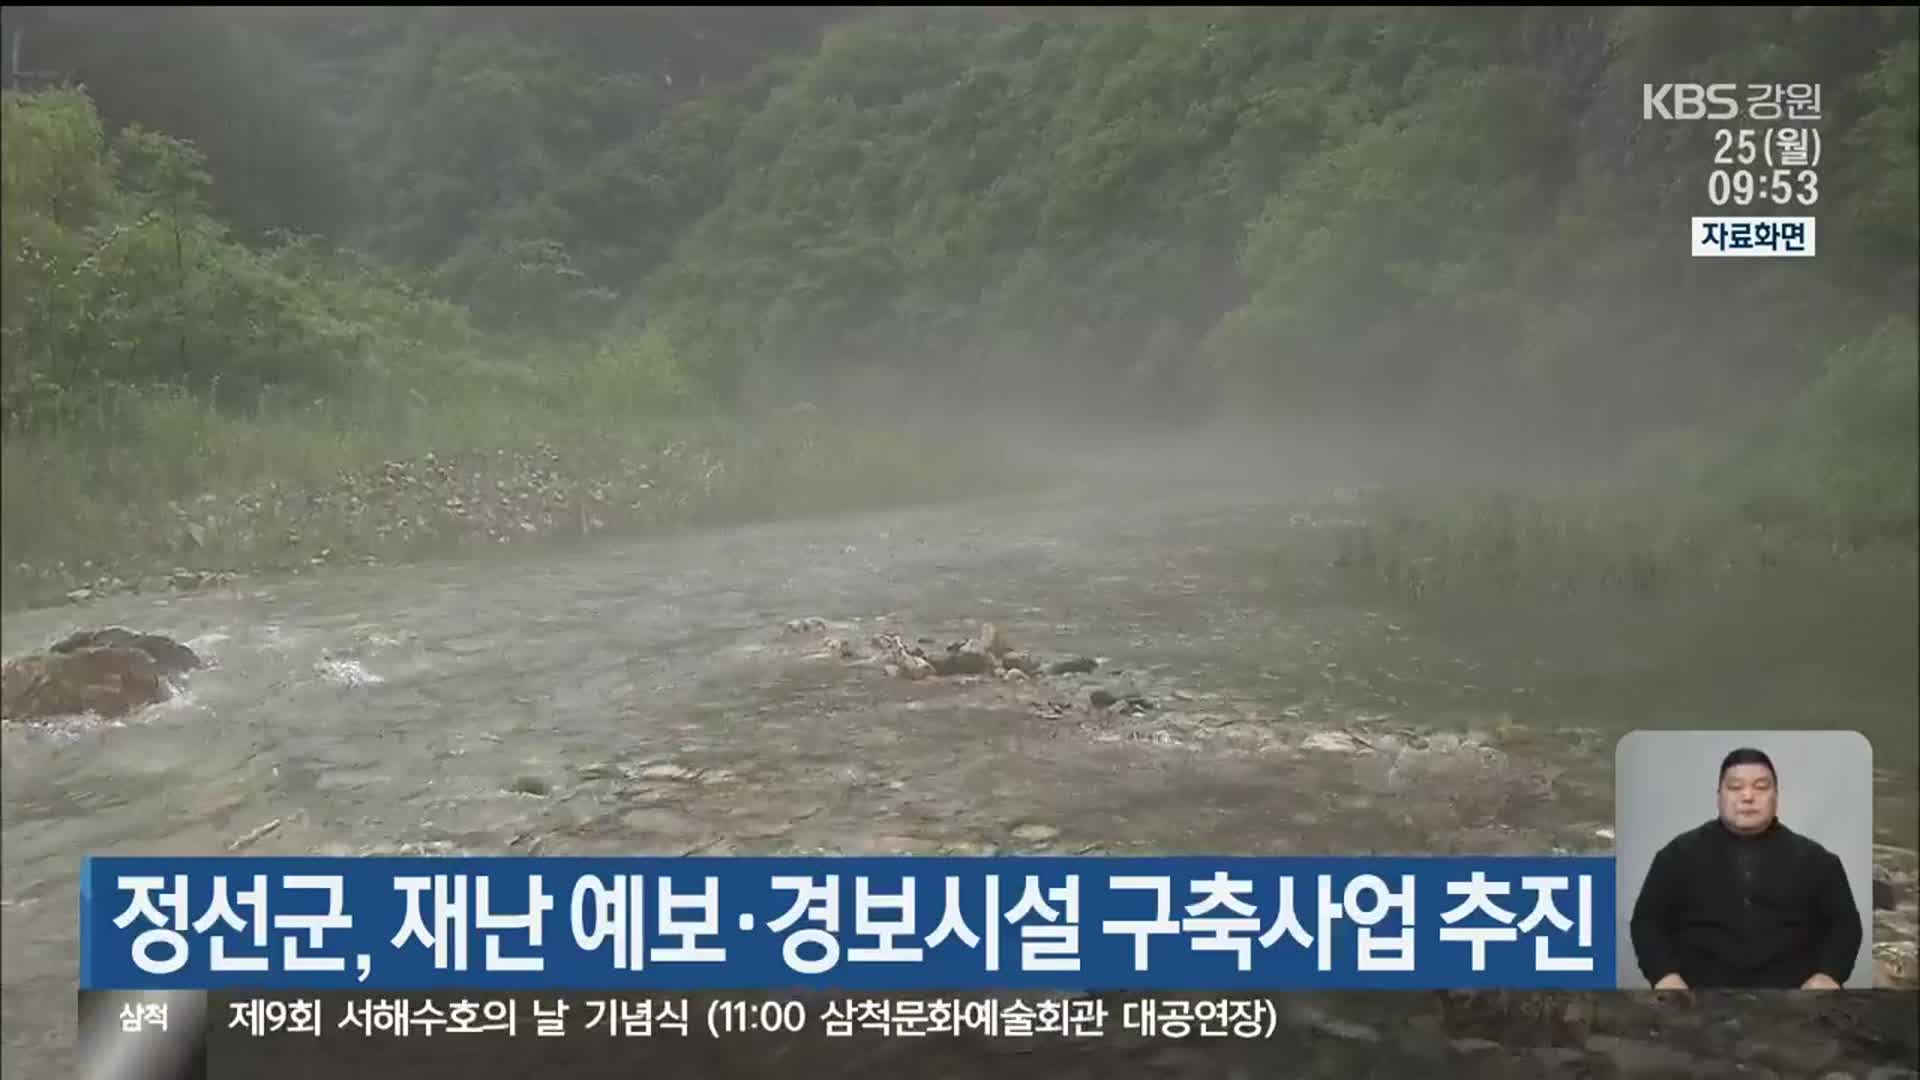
[1743, 901]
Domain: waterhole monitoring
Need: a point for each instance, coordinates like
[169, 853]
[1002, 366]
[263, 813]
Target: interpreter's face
[1748, 799]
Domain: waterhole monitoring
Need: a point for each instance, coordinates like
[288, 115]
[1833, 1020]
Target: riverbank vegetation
[335, 285]
[1819, 484]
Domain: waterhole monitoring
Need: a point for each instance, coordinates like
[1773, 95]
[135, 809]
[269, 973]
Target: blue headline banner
[847, 923]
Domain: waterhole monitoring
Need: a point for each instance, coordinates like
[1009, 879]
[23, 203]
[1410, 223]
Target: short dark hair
[1747, 755]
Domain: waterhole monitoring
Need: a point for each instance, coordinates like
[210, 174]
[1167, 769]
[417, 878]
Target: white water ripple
[350, 673]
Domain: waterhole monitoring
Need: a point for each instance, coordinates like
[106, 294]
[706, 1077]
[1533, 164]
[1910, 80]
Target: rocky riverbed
[649, 699]
[451, 502]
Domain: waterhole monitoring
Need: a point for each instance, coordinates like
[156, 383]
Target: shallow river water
[646, 699]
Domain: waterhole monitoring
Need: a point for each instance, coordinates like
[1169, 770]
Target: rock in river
[967, 658]
[1024, 663]
[109, 672]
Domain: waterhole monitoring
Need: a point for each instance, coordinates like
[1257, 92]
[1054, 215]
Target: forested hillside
[1454, 221]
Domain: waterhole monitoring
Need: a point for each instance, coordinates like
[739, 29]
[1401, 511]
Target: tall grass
[150, 483]
[1823, 480]
[1425, 547]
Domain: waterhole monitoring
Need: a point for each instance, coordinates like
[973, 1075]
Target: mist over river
[645, 698]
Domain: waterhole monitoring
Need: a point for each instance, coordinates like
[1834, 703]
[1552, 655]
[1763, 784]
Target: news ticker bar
[583, 1035]
[293, 1035]
[336, 1015]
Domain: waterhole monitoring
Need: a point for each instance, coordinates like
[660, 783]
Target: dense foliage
[1455, 219]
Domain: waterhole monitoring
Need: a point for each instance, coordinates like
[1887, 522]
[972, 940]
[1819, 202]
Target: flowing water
[645, 699]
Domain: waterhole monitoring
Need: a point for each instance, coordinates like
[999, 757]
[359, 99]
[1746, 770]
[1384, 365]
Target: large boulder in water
[109, 672]
[173, 657]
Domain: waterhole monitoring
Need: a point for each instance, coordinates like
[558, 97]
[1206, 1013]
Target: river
[645, 699]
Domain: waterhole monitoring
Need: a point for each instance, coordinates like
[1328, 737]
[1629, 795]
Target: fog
[483, 396]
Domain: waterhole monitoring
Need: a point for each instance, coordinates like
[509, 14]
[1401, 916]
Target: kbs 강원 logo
[1688, 101]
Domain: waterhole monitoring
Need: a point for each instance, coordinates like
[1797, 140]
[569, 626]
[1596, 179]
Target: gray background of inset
[1665, 783]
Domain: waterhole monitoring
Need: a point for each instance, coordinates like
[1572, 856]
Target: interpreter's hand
[1671, 982]
[1820, 982]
